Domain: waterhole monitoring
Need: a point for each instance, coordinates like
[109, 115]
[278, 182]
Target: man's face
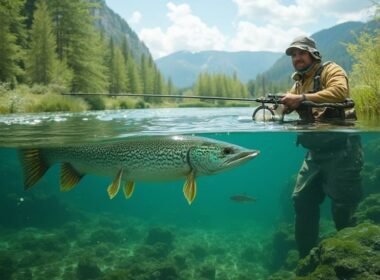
[301, 59]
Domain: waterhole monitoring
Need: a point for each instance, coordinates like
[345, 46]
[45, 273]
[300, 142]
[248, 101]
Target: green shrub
[95, 102]
[141, 104]
[39, 89]
[366, 100]
[126, 103]
[53, 103]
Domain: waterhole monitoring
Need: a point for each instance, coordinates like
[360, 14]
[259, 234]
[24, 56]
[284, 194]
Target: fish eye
[228, 151]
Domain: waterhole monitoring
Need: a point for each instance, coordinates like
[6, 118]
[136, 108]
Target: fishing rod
[274, 99]
[271, 98]
[166, 96]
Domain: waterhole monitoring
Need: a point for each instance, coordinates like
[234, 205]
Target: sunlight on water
[58, 128]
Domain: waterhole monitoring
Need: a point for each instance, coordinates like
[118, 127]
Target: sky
[168, 26]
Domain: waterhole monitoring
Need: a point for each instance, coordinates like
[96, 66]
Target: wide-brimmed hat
[304, 43]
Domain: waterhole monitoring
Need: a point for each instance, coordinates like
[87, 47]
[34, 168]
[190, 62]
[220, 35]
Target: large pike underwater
[145, 158]
[61, 217]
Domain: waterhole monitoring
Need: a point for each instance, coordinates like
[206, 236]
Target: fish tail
[33, 165]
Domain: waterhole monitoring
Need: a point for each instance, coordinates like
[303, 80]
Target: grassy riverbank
[38, 98]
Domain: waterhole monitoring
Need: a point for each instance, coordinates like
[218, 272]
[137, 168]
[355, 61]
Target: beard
[301, 66]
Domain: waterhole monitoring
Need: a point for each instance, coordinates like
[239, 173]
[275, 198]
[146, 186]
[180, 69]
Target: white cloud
[270, 38]
[187, 32]
[135, 18]
[274, 12]
[260, 25]
[302, 11]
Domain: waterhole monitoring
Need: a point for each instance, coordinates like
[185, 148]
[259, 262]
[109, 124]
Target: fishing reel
[266, 112]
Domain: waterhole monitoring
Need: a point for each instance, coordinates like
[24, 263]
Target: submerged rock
[369, 210]
[198, 251]
[283, 242]
[353, 253]
[159, 235]
[87, 269]
[207, 271]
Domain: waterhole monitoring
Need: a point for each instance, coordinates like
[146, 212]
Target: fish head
[214, 157]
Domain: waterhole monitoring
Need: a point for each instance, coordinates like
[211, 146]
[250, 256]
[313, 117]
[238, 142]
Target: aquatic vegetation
[369, 209]
[7, 266]
[352, 254]
[282, 275]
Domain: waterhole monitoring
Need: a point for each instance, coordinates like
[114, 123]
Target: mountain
[183, 67]
[107, 21]
[331, 43]
[115, 26]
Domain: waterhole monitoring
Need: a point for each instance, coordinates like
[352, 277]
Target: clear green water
[46, 234]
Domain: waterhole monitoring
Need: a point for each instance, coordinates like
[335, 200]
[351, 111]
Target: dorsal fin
[33, 165]
[69, 177]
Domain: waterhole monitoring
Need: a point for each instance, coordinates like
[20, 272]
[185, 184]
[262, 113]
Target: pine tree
[12, 33]
[251, 87]
[79, 44]
[158, 85]
[126, 50]
[170, 86]
[134, 78]
[147, 76]
[119, 81]
[41, 57]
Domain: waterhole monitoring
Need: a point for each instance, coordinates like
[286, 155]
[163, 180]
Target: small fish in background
[243, 198]
[139, 158]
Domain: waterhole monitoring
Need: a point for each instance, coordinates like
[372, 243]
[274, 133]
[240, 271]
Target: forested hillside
[75, 45]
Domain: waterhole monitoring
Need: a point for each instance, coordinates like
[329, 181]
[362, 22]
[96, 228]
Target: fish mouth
[241, 157]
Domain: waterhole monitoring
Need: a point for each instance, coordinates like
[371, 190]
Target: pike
[138, 158]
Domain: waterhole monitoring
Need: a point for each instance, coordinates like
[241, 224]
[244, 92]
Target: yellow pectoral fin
[69, 177]
[114, 187]
[190, 188]
[128, 189]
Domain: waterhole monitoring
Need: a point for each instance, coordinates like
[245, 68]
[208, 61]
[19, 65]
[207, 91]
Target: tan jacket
[334, 84]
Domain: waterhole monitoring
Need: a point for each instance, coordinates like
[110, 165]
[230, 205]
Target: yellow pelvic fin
[69, 177]
[114, 187]
[190, 188]
[129, 188]
[33, 165]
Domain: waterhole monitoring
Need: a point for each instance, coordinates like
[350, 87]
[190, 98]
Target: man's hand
[292, 101]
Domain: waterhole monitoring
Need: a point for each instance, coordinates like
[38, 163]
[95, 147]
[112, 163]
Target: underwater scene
[165, 194]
